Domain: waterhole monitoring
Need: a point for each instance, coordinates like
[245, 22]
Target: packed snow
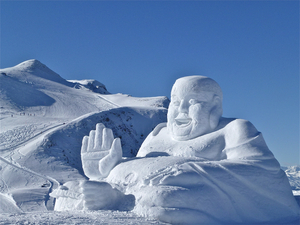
[76, 217]
[193, 166]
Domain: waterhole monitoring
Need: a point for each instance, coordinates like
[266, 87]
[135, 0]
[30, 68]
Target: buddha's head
[195, 108]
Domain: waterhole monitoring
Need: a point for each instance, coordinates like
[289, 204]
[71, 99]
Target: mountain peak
[32, 69]
[32, 64]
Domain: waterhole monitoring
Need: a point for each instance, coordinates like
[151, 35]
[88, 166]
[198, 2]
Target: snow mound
[8, 205]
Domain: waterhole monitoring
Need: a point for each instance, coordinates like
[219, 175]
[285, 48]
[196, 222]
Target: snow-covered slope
[43, 119]
[56, 152]
[33, 88]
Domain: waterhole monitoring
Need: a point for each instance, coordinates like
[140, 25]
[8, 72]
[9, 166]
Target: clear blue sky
[251, 48]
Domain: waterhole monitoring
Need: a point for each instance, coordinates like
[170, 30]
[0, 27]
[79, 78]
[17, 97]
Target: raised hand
[100, 152]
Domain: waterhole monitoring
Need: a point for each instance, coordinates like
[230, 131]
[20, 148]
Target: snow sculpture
[197, 168]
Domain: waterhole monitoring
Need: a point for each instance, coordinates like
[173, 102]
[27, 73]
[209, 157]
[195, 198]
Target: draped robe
[226, 176]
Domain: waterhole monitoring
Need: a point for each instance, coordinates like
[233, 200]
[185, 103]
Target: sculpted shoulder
[244, 142]
[238, 131]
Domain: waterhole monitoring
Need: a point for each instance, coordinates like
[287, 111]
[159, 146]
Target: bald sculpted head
[195, 108]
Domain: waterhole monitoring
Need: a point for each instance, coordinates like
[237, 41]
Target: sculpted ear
[216, 112]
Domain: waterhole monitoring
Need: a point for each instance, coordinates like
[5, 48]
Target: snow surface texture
[43, 119]
[196, 168]
[76, 217]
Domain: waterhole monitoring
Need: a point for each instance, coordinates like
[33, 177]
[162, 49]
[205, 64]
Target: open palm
[100, 152]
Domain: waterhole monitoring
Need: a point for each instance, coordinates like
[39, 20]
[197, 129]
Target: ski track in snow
[16, 137]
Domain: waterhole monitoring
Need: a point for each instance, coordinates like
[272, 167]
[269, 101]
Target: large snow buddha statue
[197, 168]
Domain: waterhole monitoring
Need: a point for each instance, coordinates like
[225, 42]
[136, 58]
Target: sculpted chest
[208, 146]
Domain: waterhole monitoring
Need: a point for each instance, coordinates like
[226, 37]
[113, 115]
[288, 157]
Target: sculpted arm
[100, 153]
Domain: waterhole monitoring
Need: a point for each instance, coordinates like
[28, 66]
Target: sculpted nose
[183, 107]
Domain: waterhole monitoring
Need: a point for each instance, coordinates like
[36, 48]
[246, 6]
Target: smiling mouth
[182, 120]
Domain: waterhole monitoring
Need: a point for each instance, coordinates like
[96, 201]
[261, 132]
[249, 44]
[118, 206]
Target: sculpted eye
[193, 101]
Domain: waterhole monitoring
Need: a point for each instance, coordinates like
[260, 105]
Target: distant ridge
[33, 88]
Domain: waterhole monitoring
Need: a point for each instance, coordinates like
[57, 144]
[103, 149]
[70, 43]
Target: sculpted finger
[116, 150]
[91, 141]
[98, 136]
[107, 139]
[112, 159]
[84, 145]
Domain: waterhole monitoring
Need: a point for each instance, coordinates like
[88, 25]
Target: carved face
[190, 109]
